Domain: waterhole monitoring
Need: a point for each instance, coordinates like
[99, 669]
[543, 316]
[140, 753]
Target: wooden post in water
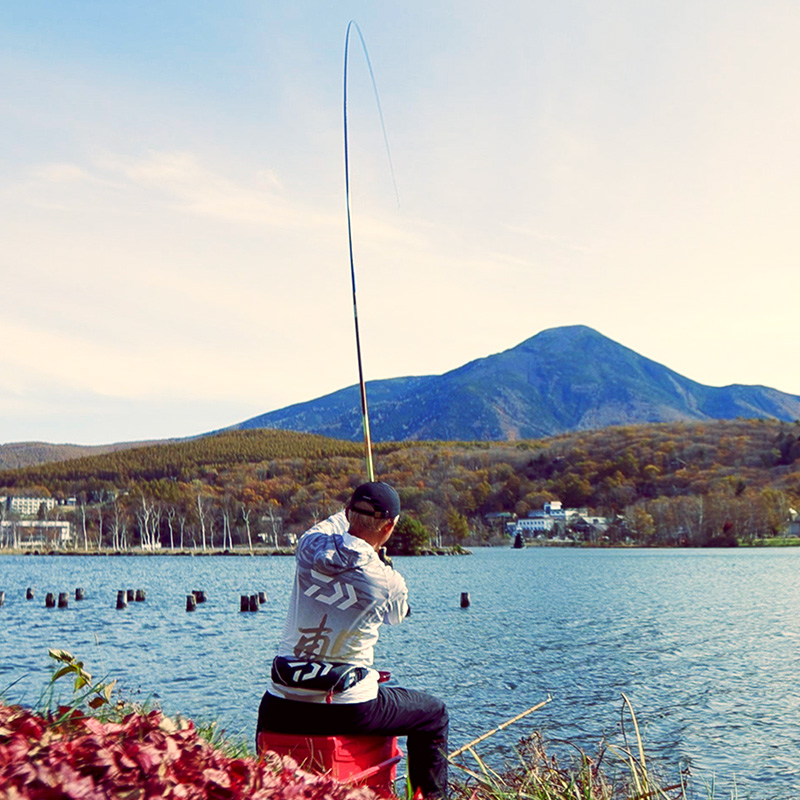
[80, 594]
[262, 597]
[122, 599]
[2, 598]
[50, 600]
[62, 600]
[244, 603]
[191, 603]
[130, 595]
[464, 599]
[29, 593]
[199, 595]
[140, 596]
[253, 602]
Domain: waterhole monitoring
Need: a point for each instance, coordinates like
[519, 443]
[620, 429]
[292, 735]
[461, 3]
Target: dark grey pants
[395, 712]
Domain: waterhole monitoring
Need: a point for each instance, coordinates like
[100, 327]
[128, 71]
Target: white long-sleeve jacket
[342, 594]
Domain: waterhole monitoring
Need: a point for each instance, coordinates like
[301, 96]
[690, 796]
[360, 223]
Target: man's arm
[397, 609]
[336, 523]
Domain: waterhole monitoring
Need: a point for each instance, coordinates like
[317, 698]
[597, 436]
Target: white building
[533, 525]
[30, 532]
[29, 506]
[543, 520]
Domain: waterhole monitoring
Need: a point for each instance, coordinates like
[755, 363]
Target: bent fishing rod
[362, 386]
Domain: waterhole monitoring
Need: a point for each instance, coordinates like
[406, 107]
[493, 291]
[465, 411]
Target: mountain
[562, 379]
[26, 454]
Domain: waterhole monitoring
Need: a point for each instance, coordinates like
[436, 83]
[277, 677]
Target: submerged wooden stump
[2, 598]
[29, 593]
[253, 602]
[50, 600]
[140, 596]
[199, 595]
[191, 602]
[244, 603]
[122, 599]
[80, 594]
[63, 602]
[130, 595]
[464, 599]
[262, 597]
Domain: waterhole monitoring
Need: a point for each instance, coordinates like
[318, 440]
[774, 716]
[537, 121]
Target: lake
[703, 642]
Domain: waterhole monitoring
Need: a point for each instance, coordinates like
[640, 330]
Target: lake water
[703, 642]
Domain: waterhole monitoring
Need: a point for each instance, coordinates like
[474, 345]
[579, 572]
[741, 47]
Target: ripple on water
[703, 643]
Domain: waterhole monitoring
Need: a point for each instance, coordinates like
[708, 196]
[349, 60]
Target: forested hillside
[668, 483]
[27, 454]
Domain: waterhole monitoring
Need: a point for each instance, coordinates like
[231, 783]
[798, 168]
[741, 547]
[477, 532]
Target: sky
[174, 252]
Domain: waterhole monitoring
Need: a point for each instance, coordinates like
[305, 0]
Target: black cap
[384, 501]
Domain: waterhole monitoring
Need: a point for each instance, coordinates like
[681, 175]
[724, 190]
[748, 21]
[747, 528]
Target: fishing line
[362, 387]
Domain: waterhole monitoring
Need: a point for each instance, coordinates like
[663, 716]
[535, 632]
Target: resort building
[543, 521]
[28, 506]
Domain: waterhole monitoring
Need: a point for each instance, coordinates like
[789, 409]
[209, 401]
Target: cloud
[61, 173]
[629, 166]
[180, 182]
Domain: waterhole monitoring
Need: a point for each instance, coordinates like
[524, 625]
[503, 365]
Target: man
[323, 682]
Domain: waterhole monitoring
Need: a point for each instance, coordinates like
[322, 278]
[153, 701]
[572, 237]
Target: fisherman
[322, 679]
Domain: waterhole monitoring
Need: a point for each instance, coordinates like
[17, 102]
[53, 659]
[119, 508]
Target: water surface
[703, 642]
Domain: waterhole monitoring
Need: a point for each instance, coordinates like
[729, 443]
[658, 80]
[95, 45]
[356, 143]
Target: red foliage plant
[146, 756]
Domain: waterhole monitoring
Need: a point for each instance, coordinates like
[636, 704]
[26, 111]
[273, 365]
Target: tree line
[663, 484]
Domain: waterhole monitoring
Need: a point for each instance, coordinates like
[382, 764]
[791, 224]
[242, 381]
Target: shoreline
[262, 552]
[246, 553]
[19, 551]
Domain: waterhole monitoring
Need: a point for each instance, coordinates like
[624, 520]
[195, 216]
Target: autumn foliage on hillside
[663, 483]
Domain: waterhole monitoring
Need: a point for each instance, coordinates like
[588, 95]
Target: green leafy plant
[96, 698]
[94, 694]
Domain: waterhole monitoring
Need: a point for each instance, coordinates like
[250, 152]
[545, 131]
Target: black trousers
[395, 712]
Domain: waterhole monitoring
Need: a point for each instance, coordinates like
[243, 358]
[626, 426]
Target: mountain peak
[562, 379]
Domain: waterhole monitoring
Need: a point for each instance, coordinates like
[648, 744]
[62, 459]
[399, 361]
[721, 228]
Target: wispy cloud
[182, 183]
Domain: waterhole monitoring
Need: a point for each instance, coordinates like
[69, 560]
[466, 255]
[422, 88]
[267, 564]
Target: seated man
[322, 678]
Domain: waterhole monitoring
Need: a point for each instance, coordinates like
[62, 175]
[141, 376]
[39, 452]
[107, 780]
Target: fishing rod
[499, 728]
[362, 386]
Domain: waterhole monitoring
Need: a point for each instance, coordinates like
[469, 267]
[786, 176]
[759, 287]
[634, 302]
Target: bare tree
[143, 518]
[246, 514]
[692, 517]
[202, 515]
[171, 514]
[82, 507]
[155, 526]
[116, 521]
[182, 521]
[226, 511]
[210, 519]
[276, 521]
[99, 512]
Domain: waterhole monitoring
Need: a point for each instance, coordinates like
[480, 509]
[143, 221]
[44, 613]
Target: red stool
[361, 760]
